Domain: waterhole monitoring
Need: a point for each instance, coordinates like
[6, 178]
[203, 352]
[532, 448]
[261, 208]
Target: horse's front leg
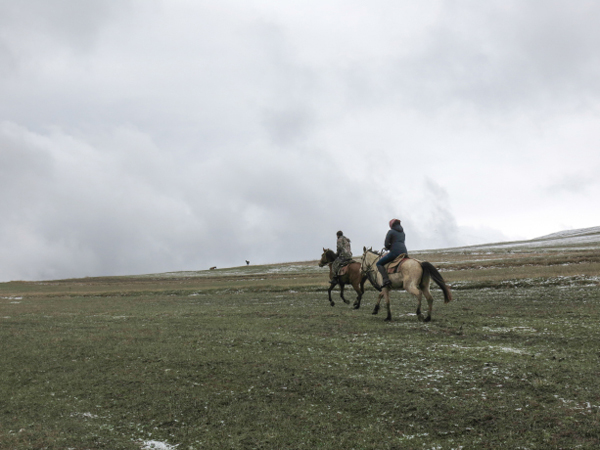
[379, 297]
[360, 291]
[331, 286]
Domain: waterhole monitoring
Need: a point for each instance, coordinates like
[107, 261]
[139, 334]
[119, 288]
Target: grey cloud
[71, 23]
[95, 213]
[177, 136]
[498, 56]
[573, 184]
[288, 126]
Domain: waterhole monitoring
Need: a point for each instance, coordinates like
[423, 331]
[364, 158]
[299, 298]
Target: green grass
[273, 366]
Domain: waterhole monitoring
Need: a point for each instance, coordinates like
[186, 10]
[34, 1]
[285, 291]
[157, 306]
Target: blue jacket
[394, 240]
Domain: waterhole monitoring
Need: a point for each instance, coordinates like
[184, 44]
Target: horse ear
[324, 249]
[364, 249]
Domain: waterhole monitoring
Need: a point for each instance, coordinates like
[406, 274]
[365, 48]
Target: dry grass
[254, 357]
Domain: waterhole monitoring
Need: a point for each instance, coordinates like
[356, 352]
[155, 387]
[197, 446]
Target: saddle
[344, 267]
[395, 265]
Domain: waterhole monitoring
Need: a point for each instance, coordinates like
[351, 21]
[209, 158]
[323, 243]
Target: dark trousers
[387, 258]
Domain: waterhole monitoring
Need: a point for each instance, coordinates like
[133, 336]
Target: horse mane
[330, 254]
[370, 250]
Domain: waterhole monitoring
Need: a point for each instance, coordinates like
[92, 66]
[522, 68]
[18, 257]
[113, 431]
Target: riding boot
[334, 281]
[384, 275]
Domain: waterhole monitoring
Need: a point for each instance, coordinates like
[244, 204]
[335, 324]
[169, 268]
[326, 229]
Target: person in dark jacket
[394, 242]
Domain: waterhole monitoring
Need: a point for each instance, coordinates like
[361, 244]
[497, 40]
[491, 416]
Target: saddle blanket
[344, 269]
[396, 264]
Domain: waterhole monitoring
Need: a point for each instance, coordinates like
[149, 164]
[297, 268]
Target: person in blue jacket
[394, 242]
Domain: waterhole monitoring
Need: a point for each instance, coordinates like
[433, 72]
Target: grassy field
[255, 358]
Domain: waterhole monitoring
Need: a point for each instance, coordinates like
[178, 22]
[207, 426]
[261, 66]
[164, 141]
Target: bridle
[323, 264]
[369, 271]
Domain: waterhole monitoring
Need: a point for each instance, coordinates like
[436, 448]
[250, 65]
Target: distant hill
[576, 236]
[585, 238]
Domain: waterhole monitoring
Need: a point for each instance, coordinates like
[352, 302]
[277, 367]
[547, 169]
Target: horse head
[368, 267]
[323, 260]
[369, 258]
[327, 257]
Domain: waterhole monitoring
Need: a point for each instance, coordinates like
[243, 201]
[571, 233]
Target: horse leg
[356, 304]
[342, 293]
[359, 294]
[379, 297]
[429, 298]
[356, 285]
[387, 303]
[362, 284]
[360, 290]
[331, 286]
[414, 290]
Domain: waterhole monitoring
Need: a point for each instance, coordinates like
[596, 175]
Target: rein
[329, 261]
[369, 269]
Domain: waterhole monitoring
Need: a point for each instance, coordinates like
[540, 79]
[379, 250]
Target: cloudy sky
[144, 136]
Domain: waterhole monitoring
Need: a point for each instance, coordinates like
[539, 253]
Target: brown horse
[352, 275]
[414, 276]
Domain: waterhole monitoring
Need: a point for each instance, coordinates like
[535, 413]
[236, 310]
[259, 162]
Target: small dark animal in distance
[213, 268]
[247, 262]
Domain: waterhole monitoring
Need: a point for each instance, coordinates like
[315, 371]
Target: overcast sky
[144, 136]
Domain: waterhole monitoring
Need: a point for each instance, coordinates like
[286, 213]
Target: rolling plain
[253, 357]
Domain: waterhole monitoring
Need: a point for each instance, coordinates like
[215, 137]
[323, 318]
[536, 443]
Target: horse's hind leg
[342, 293]
[414, 290]
[429, 298]
[359, 291]
[387, 303]
[356, 304]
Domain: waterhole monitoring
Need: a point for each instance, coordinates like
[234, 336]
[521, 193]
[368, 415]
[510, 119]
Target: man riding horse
[344, 256]
[394, 242]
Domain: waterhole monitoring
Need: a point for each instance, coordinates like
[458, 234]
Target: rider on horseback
[344, 256]
[394, 242]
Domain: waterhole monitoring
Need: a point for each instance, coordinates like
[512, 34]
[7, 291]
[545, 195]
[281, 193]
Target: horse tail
[429, 269]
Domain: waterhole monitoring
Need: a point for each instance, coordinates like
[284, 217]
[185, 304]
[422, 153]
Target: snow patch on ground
[157, 445]
[86, 415]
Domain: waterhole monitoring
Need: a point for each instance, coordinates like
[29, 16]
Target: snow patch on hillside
[586, 238]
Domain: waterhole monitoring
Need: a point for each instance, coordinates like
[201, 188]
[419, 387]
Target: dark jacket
[394, 240]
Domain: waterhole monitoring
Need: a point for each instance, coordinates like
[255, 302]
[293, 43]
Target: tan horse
[352, 275]
[414, 276]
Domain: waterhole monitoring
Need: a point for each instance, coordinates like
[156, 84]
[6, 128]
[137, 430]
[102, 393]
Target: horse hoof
[332, 303]
[388, 319]
[356, 307]
[428, 319]
[420, 317]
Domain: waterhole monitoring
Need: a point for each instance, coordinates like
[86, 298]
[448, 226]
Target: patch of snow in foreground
[511, 350]
[157, 445]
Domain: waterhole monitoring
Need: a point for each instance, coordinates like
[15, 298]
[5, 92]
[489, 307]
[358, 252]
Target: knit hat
[393, 221]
